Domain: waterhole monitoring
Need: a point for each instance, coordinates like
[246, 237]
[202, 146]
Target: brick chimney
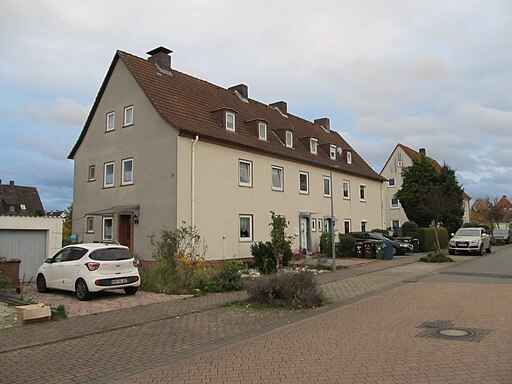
[161, 56]
[281, 105]
[11, 184]
[324, 122]
[242, 89]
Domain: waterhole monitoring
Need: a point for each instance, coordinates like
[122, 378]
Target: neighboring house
[507, 209]
[31, 240]
[16, 200]
[401, 157]
[161, 149]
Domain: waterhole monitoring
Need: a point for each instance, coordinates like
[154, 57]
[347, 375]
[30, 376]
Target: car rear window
[110, 254]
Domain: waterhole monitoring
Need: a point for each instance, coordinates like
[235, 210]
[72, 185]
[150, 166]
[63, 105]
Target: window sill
[108, 186]
[127, 184]
[109, 130]
[91, 180]
[127, 125]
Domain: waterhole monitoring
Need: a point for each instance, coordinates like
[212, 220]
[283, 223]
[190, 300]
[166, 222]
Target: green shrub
[347, 245]
[228, 278]
[444, 237]
[326, 244]
[158, 278]
[206, 283]
[410, 229]
[298, 290]
[427, 238]
[263, 258]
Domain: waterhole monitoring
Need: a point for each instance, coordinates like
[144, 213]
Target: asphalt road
[494, 267]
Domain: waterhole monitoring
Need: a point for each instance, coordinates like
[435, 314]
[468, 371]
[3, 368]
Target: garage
[30, 246]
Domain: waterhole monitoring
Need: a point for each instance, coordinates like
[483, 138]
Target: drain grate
[445, 329]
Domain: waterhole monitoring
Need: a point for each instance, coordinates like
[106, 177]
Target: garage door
[27, 245]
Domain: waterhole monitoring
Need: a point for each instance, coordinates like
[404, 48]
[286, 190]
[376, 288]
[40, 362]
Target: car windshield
[110, 254]
[468, 232]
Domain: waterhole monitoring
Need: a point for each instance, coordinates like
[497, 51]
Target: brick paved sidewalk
[49, 332]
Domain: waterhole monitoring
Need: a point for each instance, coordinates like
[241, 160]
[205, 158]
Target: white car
[473, 240]
[87, 268]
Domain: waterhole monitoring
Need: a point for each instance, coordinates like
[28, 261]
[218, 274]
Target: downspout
[193, 191]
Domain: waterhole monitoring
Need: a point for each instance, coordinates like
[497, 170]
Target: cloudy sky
[432, 74]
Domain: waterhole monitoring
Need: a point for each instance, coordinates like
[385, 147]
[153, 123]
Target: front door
[305, 236]
[126, 231]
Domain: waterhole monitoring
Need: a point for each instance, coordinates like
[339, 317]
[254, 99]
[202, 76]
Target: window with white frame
[111, 121]
[327, 186]
[92, 173]
[320, 225]
[127, 172]
[362, 192]
[128, 116]
[313, 225]
[230, 121]
[363, 226]
[332, 152]
[245, 228]
[391, 183]
[277, 178]
[107, 228]
[289, 139]
[313, 146]
[303, 182]
[23, 207]
[90, 225]
[262, 131]
[394, 203]
[349, 157]
[108, 175]
[244, 173]
[346, 189]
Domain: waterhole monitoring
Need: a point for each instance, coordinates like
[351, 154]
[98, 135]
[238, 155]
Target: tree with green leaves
[281, 243]
[429, 196]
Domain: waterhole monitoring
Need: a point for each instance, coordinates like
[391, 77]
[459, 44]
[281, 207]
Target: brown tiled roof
[188, 103]
[416, 155]
[15, 196]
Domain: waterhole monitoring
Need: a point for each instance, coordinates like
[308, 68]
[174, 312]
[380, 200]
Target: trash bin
[359, 251]
[388, 252]
[11, 271]
[380, 248]
[369, 249]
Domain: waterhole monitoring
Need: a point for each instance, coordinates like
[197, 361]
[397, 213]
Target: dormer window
[349, 158]
[262, 131]
[230, 121]
[332, 152]
[313, 146]
[289, 139]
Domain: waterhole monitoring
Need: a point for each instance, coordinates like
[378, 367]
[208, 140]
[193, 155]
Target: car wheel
[81, 290]
[489, 250]
[481, 250]
[395, 252]
[131, 290]
[41, 284]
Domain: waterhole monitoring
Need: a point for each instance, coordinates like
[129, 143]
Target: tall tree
[430, 196]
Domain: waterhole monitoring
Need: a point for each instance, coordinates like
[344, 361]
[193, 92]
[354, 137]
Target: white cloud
[64, 111]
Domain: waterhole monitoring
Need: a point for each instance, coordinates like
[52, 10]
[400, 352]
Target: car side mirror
[48, 260]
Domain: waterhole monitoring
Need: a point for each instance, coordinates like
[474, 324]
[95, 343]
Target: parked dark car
[399, 248]
[501, 234]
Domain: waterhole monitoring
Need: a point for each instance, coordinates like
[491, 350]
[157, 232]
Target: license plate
[119, 281]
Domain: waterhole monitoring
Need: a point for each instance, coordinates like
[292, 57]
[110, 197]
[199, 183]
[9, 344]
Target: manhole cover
[454, 332]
